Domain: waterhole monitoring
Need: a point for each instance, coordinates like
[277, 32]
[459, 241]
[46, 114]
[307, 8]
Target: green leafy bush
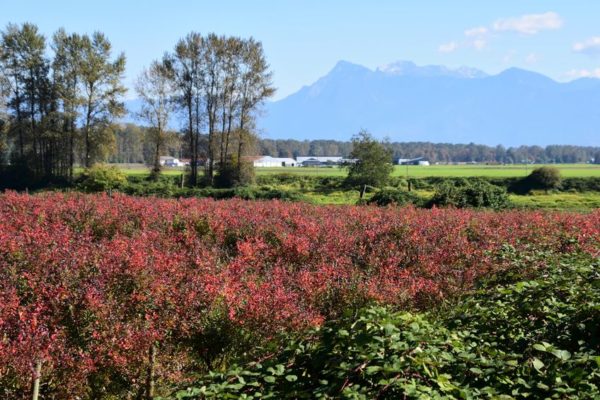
[589, 184]
[470, 193]
[264, 193]
[532, 338]
[101, 177]
[235, 173]
[388, 196]
[545, 178]
[302, 181]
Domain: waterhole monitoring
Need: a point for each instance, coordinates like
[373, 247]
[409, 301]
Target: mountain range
[406, 102]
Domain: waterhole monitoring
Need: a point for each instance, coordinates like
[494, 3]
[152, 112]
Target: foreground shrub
[101, 178]
[470, 193]
[388, 196]
[537, 338]
[107, 292]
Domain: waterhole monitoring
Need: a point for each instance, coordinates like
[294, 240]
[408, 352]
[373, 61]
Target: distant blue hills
[406, 102]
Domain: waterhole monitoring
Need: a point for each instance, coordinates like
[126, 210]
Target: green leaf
[539, 346]
[538, 364]
[291, 378]
[372, 369]
[389, 329]
[543, 386]
[561, 354]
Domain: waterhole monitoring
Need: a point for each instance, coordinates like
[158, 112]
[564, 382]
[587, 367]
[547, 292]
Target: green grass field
[413, 171]
[558, 201]
[554, 201]
[582, 202]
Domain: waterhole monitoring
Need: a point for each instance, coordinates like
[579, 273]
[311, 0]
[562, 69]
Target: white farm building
[168, 161]
[268, 161]
[318, 161]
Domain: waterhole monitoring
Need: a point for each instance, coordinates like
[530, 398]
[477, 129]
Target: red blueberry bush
[107, 291]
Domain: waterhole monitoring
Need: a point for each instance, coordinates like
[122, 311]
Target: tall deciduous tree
[67, 49]
[155, 88]
[4, 117]
[185, 69]
[32, 101]
[22, 59]
[101, 78]
[48, 98]
[222, 82]
[255, 88]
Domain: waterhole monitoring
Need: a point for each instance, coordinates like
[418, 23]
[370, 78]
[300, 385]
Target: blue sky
[304, 39]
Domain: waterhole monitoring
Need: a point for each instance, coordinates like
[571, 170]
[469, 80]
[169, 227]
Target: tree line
[57, 111]
[60, 100]
[437, 152]
[133, 147]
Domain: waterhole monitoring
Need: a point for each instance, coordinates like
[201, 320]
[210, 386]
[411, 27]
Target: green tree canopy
[544, 178]
[373, 161]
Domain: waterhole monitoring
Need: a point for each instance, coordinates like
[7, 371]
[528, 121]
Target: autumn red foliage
[102, 289]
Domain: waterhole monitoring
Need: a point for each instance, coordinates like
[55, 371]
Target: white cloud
[479, 44]
[532, 58]
[529, 24]
[479, 37]
[583, 73]
[590, 46]
[448, 47]
[477, 31]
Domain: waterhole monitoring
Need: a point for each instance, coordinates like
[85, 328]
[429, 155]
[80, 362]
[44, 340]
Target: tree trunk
[156, 168]
[222, 144]
[34, 134]
[150, 378]
[240, 142]
[37, 374]
[229, 123]
[72, 149]
[193, 156]
[211, 129]
[19, 119]
[87, 134]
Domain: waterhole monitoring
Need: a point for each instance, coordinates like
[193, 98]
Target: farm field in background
[566, 201]
[518, 170]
